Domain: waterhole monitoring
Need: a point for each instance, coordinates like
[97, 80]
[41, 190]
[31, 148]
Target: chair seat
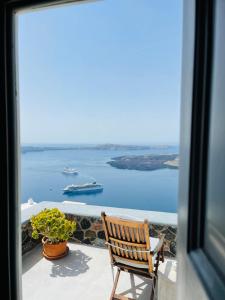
[153, 242]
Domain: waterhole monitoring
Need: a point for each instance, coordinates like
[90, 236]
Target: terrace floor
[86, 274]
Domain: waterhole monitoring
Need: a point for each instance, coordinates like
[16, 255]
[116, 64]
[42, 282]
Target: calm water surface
[43, 180]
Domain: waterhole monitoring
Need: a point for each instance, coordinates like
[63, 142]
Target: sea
[42, 178]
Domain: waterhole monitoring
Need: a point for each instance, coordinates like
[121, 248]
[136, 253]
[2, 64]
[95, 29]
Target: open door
[201, 252]
[201, 236]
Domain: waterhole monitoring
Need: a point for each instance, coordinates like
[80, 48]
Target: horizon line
[102, 143]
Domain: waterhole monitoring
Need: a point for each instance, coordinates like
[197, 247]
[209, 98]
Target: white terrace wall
[89, 224]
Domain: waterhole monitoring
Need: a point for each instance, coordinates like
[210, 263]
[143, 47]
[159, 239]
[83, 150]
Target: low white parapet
[154, 217]
[28, 204]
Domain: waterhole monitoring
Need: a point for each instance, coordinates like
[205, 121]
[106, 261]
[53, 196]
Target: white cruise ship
[83, 188]
[70, 171]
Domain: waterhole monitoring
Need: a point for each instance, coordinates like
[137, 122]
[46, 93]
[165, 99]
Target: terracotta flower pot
[54, 251]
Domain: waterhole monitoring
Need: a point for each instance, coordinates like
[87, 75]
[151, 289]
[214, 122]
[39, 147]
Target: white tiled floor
[84, 274]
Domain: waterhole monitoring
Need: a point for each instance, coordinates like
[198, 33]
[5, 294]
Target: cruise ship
[70, 171]
[93, 187]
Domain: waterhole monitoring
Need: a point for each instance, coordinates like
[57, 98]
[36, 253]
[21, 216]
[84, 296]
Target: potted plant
[55, 230]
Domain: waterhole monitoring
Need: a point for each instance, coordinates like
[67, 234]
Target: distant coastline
[145, 162]
[25, 149]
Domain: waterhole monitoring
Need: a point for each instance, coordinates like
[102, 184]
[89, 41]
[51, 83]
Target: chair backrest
[128, 240]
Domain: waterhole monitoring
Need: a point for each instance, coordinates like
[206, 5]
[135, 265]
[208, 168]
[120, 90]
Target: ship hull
[70, 173]
[84, 191]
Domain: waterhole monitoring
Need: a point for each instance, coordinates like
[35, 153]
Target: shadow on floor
[75, 263]
[28, 260]
[140, 291]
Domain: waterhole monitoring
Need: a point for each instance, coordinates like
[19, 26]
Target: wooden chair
[132, 250]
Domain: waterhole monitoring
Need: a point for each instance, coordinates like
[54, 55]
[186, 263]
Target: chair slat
[135, 253]
[127, 233]
[127, 243]
[141, 233]
[109, 228]
[130, 252]
[114, 230]
[126, 253]
[113, 248]
[132, 234]
[137, 237]
[118, 231]
[121, 251]
[139, 253]
[144, 256]
[117, 249]
[122, 232]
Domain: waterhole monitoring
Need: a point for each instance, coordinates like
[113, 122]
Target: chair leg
[162, 253]
[156, 265]
[115, 284]
[154, 286]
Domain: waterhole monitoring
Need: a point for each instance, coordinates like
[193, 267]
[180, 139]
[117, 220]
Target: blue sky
[101, 72]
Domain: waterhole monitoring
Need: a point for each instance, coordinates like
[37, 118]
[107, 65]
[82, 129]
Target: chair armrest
[159, 246]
